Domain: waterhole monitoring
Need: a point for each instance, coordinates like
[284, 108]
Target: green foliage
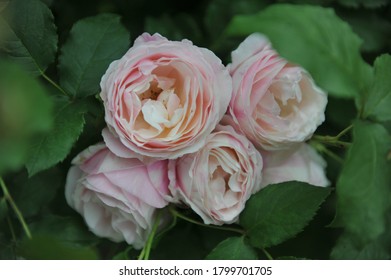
[279, 212]
[33, 195]
[363, 188]
[43, 129]
[220, 12]
[3, 209]
[340, 112]
[332, 50]
[128, 254]
[182, 243]
[69, 230]
[52, 147]
[377, 103]
[174, 27]
[25, 111]
[47, 247]
[233, 248]
[93, 43]
[365, 3]
[374, 30]
[31, 37]
[348, 249]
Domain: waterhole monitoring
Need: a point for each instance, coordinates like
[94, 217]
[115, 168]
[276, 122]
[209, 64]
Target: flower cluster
[184, 129]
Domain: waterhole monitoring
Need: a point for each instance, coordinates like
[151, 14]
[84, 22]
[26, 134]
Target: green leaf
[35, 193]
[377, 104]
[233, 248]
[68, 230]
[32, 36]
[25, 111]
[315, 38]
[363, 188]
[47, 247]
[278, 212]
[364, 3]
[93, 43]
[52, 147]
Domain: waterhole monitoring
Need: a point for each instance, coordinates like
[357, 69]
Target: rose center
[152, 92]
[161, 108]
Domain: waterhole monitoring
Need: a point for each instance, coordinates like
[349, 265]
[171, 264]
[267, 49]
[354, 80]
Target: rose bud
[217, 180]
[302, 164]
[163, 98]
[275, 103]
[117, 197]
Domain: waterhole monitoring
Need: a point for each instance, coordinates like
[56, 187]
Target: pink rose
[117, 197]
[217, 181]
[275, 103]
[302, 164]
[163, 98]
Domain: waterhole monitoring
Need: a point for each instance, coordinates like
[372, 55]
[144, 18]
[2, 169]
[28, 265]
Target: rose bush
[275, 103]
[117, 197]
[163, 98]
[217, 181]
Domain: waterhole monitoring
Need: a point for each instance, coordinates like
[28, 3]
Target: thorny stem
[183, 217]
[9, 198]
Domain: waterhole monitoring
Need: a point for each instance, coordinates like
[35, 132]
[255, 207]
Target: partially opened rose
[217, 181]
[275, 103]
[163, 98]
[302, 164]
[117, 197]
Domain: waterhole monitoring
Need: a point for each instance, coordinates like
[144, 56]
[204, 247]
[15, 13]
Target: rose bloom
[117, 197]
[217, 181]
[275, 103]
[163, 98]
[301, 163]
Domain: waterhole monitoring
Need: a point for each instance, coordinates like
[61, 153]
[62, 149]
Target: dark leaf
[315, 38]
[233, 248]
[93, 43]
[279, 212]
[31, 37]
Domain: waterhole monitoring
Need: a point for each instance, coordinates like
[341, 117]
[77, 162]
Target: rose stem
[144, 255]
[16, 209]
